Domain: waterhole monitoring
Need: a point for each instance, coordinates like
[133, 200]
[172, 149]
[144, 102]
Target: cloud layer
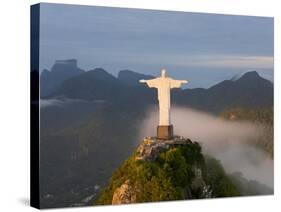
[225, 140]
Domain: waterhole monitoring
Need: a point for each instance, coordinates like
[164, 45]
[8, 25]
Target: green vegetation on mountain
[249, 187]
[262, 117]
[177, 173]
[221, 184]
[257, 115]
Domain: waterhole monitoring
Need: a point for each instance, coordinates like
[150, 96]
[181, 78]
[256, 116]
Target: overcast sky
[202, 48]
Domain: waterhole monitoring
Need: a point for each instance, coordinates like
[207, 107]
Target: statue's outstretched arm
[177, 83]
[152, 83]
[142, 81]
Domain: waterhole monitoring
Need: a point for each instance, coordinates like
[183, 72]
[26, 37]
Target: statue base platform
[165, 132]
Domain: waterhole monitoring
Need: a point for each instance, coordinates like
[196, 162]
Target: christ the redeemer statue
[164, 84]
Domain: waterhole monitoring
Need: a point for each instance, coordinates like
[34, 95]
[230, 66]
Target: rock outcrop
[198, 186]
[124, 194]
[151, 147]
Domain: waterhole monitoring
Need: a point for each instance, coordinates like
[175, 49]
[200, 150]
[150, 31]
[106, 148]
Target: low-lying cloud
[228, 141]
[60, 102]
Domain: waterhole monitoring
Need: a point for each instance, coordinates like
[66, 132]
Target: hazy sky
[202, 48]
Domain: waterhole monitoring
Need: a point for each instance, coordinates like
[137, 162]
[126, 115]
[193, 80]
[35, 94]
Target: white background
[14, 110]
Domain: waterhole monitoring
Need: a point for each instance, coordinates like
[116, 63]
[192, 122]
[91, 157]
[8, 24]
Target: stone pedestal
[165, 132]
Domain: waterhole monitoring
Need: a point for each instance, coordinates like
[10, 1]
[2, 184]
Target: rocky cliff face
[124, 194]
[60, 71]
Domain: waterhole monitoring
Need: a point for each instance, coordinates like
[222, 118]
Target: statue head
[163, 72]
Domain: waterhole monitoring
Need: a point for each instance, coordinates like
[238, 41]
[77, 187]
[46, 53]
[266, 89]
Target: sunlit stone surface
[164, 84]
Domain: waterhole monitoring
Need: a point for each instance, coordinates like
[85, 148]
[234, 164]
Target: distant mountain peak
[72, 62]
[60, 71]
[126, 71]
[247, 75]
[100, 73]
[251, 74]
[132, 78]
[69, 65]
[99, 69]
[252, 77]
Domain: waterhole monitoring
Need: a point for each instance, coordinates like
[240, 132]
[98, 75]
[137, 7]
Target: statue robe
[164, 85]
